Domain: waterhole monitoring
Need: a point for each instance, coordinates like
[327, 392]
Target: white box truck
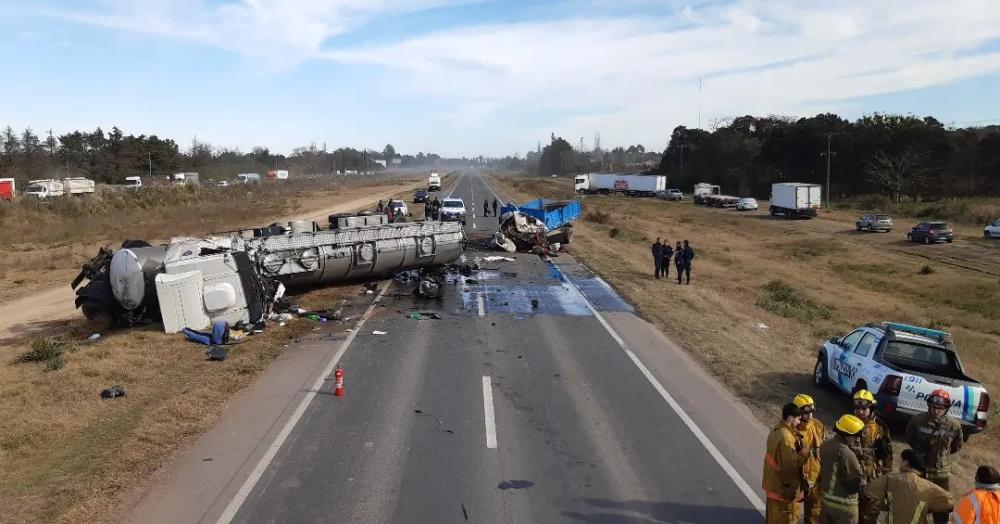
[248, 178]
[629, 184]
[277, 174]
[703, 190]
[50, 187]
[189, 178]
[793, 199]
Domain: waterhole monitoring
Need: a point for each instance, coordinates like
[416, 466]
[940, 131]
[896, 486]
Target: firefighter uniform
[935, 440]
[782, 480]
[840, 477]
[874, 452]
[907, 497]
[813, 434]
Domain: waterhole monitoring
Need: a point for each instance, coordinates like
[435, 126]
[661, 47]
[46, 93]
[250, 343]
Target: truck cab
[902, 365]
[248, 178]
[434, 182]
[703, 190]
[43, 189]
[133, 183]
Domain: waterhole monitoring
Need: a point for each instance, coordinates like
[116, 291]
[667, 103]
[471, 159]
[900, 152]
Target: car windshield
[918, 357]
[453, 203]
[881, 217]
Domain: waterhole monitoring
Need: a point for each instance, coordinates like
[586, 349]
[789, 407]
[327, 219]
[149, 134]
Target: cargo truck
[277, 174]
[50, 187]
[629, 184]
[248, 178]
[8, 189]
[185, 179]
[794, 200]
[702, 190]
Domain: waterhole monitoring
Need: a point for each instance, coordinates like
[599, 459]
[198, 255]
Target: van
[133, 182]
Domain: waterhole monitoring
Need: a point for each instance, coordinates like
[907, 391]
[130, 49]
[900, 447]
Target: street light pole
[149, 157]
[828, 154]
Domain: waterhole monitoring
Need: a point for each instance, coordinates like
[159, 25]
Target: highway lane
[581, 435]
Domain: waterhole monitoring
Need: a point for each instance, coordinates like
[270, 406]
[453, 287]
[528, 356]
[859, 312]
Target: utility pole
[149, 157]
[828, 154]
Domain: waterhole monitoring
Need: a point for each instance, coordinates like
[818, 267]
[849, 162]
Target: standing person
[840, 478]
[813, 434]
[389, 213]
[657, 257]
[486, 207]
[668, 252]
[783, 460]
[982, 504]
[874, 451]
[495, 205]
[381, 206]
[908, 497]
[935, 437]
[427, 210]
[436, 211]
[688, 258]
[679, 260]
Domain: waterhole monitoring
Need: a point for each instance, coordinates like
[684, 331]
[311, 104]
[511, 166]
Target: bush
[597, 217]
[614, 232]
[784, 300]
[926, 270]
[48, 350]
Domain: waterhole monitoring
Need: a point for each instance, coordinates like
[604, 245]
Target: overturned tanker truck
[237, 277]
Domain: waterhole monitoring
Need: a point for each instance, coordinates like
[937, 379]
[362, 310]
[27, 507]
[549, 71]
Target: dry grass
[69, 456]
[805, 280]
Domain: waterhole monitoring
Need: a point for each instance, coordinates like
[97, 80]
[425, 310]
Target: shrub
[784, 300]
[597, 217]
[614, 232]
[926, 270]
[48, 350]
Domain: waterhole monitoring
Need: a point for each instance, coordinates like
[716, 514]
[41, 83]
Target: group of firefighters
[848, 477]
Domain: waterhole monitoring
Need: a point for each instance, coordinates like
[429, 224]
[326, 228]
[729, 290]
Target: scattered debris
[94, 337]
[425, 315]
[113, 392]
[761, 325]
[494, 258]
[534, 303]
[504, 243]
[377, 332]
[217, 353]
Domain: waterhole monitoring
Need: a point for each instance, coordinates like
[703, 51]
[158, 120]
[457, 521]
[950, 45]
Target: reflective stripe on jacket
[979, 506]
[840, 477]
[907, 497]
[782, 478]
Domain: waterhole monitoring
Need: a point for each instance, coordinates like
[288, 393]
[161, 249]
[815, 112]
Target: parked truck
[633, 184]
[51, 188]
[701, 190]
[248, 178]
[277, 174]
[8, 189]
[794, 200]
[188, 178]
[434, 182]
[133, 183]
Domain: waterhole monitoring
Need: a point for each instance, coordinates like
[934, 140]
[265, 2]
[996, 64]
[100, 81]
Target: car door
[866, 221]
[842, 373]
[859, 359]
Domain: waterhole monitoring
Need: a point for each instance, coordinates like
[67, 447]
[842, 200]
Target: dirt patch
[765, 293]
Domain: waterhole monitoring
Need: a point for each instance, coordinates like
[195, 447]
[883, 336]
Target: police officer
[657, 249]
[494, 206]
[874, 450]
[935, 437]
[668, 253]
[907, 496]
[813, 434]
[840, 478]
[783, 459]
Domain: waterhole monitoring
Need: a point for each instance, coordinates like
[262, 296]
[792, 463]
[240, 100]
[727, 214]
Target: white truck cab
[434, 182]
[133, 182]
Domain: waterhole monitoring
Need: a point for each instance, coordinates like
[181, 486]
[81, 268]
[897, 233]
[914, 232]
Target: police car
[902, 365]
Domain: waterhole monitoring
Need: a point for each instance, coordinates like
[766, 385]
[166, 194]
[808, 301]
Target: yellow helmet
[864, 398]
[850, 424]
[802, 400]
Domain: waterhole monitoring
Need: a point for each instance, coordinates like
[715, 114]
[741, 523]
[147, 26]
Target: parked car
[453, 209]
[420, 197]
[746, 204]
[399, 208]
[902, 364]
[930, 232]
[670, 194]
[992, 230]
[874, 222]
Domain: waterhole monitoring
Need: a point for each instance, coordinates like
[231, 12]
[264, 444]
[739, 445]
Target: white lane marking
[480, 305]
[473, 224]
[241, 495]
[734, 475]
[491, 423]
[473, 216]
[459, 181]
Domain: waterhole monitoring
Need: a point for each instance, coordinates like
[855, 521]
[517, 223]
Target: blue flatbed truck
[557, 216]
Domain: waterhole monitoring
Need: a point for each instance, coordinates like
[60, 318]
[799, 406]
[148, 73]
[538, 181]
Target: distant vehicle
[222, 183]
[185, 179]
[702, 190]
[931, 232]
[633, 184]
[420, 196]
[50, 188]
[248, 178]
[874, 222]
[990, 231]
[746, 204]
[453, 209]
[277, 174]
[8, 189]
[434, 182]
[399, 208]
[902, 365]
[675, 194]
[553, 175]
[133, 182]
[794, 200]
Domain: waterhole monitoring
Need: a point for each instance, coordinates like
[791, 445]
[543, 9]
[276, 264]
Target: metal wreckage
[237, 277]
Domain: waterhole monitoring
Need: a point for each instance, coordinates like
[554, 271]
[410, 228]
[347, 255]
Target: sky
[468, 77]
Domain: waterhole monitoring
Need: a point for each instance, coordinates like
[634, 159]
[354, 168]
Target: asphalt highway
[518, 405]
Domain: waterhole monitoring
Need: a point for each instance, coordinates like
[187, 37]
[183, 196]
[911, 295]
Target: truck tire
[820, 377]
[98, 316]
[567, 234]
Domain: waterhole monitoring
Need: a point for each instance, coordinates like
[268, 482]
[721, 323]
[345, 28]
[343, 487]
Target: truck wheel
[857, 227]
[820, 377]
[567, 234]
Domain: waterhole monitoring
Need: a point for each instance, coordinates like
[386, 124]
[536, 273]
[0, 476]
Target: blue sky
[484, 77]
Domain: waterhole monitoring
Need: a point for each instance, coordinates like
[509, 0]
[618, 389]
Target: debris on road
[377, 332]
[113, 392]
[425, 315]
[534, 225]
[494, 258]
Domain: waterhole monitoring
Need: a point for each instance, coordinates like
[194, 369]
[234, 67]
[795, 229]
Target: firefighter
[874, 450]
[840, 479]
[907, 496]
[813, 434]
[982, 504]
[935, 437]
[783, 459]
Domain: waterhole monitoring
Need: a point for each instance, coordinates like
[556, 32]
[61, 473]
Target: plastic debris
[217, 353]
[113, 392]
[761, 325]
[94, 337]
[377, 332]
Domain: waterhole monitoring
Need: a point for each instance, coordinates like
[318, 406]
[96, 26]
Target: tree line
[898, 156]
[109, 157]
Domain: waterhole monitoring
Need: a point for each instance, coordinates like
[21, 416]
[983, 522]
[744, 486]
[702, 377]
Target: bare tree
[896, 173]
